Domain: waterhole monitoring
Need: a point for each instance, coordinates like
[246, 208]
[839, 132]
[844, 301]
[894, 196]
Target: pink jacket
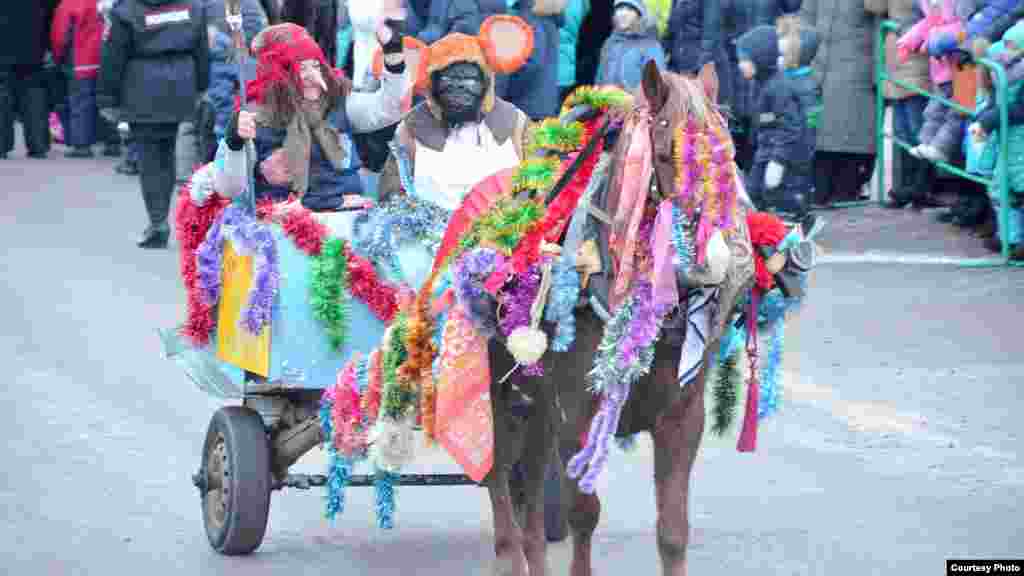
[939, 21]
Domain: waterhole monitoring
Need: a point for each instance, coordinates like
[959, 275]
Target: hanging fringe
[384, 491]
[748, 435]
[770, 372]
[725, 394]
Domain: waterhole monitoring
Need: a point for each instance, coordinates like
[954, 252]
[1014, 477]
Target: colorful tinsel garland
[248, 236]
[192, 222]
[605, 98]
[516, 301]
[552, 135]
[328, 291]
[631, 333]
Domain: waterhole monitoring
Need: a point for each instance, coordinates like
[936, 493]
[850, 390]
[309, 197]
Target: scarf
[305, 126]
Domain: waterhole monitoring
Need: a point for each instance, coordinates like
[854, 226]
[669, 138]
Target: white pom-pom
[201, 185]
[527, 344]
[391, 443]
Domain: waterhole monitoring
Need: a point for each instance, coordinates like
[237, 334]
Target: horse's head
[674, 102]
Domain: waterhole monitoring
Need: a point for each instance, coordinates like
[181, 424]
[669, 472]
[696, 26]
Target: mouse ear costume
[445, 159]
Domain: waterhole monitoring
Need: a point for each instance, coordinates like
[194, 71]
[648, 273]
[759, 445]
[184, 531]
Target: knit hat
[761, 46]
[646, 16]
[280, 51]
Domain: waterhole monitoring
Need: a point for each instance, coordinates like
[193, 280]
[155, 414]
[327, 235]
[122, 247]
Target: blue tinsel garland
[685, 251]
[339, 470]
[768, 401]
[561, 306]
[384, 491]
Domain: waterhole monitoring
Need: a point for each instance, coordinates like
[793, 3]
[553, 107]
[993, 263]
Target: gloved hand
[390, 37]
[773, 175]
[112, 115]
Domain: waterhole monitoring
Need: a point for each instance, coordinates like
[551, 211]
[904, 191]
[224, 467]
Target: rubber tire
[248, 451]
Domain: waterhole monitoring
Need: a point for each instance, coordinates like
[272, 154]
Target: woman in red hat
[300, 117]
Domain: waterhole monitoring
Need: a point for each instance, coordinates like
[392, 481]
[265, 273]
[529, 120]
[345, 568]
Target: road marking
[899, 258]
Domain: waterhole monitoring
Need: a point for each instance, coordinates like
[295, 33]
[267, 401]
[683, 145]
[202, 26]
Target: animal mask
[503, 46]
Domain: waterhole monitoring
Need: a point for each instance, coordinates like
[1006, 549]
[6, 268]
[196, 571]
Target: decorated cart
[358, 330]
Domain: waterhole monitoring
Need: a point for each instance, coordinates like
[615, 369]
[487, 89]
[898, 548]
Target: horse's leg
[510, 559]
[508, 538]
[537, 452]
[677, 438]
[580, 406]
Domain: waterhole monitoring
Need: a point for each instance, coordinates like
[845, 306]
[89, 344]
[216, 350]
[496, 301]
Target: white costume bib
[470, 154]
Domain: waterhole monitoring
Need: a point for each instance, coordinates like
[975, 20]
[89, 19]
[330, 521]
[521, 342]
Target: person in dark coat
[633, 42]
[431, 20]
[782, 175]
[801, 76]
[320, 17]
[155, 64]
[739, 17]
[694, 38]
[534, 87]
[24, 42]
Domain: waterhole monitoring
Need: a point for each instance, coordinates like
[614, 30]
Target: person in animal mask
[462, 132]
[300, 119]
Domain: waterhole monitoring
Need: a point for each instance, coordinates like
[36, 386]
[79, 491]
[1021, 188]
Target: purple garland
[470, 273]
[249, 237]
[518, 300]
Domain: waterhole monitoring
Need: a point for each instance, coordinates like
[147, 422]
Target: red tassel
[748, 435]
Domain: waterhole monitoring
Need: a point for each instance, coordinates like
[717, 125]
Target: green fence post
[881, 75]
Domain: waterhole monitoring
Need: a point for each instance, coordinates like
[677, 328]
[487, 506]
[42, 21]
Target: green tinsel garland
[536, 174]
[725, 394]
[395, 398]
[552, 135]
[328, 291]
[601, 98]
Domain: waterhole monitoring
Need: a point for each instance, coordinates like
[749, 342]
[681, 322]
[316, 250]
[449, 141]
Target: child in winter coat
[983, 136]
[781, 177]
[939, 34]
[219, 101]
[798, 69]
[77, 38]
[632, 43]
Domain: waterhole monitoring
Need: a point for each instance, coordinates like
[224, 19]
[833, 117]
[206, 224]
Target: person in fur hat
[462, 132]
[300, 117]
[782, 174]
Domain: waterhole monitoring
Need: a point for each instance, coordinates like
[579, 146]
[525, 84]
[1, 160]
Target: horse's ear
[653, 85]
[709, 80]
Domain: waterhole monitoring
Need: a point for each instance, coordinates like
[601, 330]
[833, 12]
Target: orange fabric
[464, 417]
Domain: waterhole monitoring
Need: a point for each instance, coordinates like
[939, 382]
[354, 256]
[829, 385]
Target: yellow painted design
[235, 345]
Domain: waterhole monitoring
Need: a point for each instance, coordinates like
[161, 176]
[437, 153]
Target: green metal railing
[1001, 180]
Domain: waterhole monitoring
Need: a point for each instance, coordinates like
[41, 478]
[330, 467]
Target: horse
[563, 408]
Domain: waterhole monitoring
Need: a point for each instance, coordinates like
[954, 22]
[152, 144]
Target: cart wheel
[236, 481]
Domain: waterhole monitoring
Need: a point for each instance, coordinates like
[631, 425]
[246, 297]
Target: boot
[154, 236]
[79, 152]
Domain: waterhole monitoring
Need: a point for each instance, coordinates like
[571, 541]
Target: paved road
[899, 444]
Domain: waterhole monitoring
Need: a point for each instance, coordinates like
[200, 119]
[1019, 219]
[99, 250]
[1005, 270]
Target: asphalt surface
[898, 446]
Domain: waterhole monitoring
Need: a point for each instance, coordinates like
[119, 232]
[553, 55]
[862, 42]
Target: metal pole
[233, 14]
